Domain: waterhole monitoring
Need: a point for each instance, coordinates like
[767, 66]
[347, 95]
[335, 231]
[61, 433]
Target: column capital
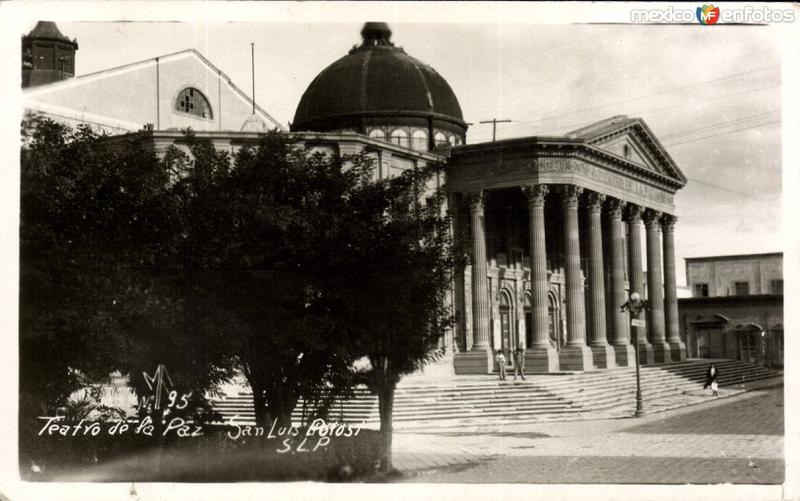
[651, 218]
[668, 222]
[594, 200]
[570, 194]
[615, 206]
[473, 200]
[632, 213]
[536, 194]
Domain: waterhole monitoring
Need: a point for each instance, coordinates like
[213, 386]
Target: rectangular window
[43, 57]
[701, 290]
[776, 287]
[742, 288]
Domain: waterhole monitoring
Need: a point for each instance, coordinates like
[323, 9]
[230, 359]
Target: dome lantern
[376, 34]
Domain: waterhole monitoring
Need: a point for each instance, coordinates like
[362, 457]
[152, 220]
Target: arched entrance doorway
[528, 321]
[507, 334]
[554, 322]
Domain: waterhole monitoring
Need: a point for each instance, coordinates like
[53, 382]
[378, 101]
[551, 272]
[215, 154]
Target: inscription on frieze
[599, 174]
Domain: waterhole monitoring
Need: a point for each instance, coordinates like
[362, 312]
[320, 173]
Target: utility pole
[494, 123]
[253, 72]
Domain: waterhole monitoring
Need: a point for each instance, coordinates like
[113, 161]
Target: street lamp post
[635, 305]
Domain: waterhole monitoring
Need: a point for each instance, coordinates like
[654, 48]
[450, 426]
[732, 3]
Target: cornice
[548, 147]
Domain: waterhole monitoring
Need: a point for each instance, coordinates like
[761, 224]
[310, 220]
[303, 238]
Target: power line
[724, 133]
[718, 125]
[704, 101]
[718, 187]
[666, 91]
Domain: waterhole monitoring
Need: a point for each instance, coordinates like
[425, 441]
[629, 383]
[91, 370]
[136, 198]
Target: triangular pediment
[632, 140]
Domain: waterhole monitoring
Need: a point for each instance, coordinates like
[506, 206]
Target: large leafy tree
[102, 225]
[279, 216]
[397, 302]
[286, 263]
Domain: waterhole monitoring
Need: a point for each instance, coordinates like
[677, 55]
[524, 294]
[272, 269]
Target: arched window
[377, 134]
[192, 101]
[439, 139]
[419, 140]
[400, 137]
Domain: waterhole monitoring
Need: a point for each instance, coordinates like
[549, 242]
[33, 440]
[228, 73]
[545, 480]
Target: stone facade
[548, 214]
[719, 275]
[748, 328]
[737, 308]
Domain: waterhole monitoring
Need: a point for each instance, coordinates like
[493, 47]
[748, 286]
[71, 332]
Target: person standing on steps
[501, 364]
[519, 361]
[712, 375]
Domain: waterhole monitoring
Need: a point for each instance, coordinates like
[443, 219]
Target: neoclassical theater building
[555, 223]
[558, 228]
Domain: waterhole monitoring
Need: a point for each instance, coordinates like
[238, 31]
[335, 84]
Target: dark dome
[374, 83]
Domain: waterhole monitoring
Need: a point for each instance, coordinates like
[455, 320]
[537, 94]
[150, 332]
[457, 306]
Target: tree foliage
[283, 210]
[403, 249]
[100, 235]
[283, 263]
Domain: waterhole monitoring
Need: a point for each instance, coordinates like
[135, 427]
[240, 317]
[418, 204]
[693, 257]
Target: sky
[711, 94]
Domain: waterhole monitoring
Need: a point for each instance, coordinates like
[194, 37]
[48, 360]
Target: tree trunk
[260, 406]
[281, 404]
[385, 407]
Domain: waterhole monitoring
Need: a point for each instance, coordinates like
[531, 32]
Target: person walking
[501, 364]
[712, 376]
[519, 361]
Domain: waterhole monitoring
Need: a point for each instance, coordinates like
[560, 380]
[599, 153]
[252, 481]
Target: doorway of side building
[748, 342]
[710, 342]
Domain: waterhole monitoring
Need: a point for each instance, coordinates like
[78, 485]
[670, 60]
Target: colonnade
[658, 342]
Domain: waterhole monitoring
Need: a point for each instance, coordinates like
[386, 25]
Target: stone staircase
[611, 393]
[564, 396]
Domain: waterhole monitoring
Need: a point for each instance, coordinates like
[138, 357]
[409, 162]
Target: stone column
[540, 356]
[480, 283]
[620, 322]
[602, 352]
[655, 291]
[479, 359]
[575, 356]
[633, 215]
[677, 347]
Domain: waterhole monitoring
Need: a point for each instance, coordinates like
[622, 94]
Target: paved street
[736, 440]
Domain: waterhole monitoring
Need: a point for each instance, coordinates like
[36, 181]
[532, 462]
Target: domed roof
[376, 79]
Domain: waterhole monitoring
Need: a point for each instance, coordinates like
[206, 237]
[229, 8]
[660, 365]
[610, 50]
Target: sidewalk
[738, 439]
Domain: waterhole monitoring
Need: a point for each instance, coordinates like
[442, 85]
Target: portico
[550, 261]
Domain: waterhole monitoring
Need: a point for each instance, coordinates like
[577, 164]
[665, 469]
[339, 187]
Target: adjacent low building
[736, 310]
